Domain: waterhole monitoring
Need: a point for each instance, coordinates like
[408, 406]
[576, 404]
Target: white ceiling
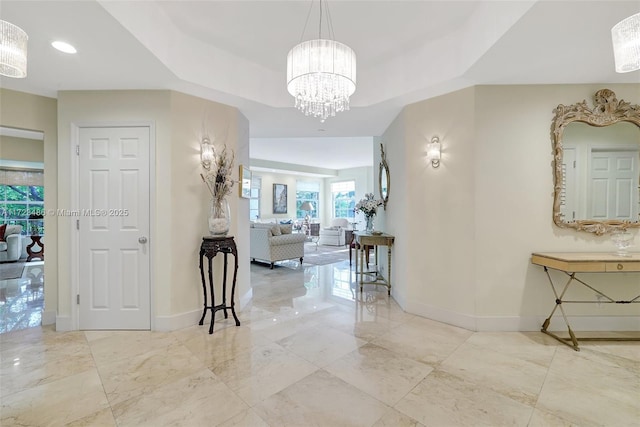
[234, 52]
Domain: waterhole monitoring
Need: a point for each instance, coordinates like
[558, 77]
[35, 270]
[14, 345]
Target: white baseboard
[442, 315]
[48, 318]
[524, 323]
[177, 321]
[190, 318]
[597, 323]
[63, 324]
[578, 323]
[245, 299]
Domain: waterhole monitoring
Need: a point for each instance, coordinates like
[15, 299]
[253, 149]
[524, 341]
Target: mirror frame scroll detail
[607, 110]
[384, 168]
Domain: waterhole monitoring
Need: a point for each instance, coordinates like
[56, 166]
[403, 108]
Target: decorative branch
[207, 184]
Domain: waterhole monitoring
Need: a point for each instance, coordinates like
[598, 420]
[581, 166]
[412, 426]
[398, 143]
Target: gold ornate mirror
[383, 178]
[597, 165]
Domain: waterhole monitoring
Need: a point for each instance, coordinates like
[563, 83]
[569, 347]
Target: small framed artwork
[245, 182]
[279, 198]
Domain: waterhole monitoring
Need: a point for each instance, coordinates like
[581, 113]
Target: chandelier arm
[320, 22]
[306, 22]
[332, 34]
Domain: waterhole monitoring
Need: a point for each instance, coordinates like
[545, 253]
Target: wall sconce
[206, 153]
[434, 150]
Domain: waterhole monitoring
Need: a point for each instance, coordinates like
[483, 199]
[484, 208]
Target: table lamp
[308, 207]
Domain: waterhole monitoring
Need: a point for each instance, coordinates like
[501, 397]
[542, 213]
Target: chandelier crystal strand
[13, 50]
[321, 76]
[626, 44]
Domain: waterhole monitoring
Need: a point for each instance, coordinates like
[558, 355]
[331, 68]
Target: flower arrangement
[218, 179]
[369, 205]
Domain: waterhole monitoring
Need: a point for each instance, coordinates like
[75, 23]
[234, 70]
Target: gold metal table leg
[361, 266]
[546, 323]
[389, 272]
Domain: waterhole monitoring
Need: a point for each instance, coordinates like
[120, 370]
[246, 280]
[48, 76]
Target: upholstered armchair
[10, 242]
[334, 234]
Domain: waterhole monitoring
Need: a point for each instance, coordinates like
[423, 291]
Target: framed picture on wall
[245, 182]
[279, 198]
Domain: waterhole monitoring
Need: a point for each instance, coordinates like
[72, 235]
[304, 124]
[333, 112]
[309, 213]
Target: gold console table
[364, 240]
[571, 263]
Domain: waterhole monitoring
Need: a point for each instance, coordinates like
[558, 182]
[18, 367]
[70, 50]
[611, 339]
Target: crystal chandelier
[626, 44]
[13, 50]
[321, 74]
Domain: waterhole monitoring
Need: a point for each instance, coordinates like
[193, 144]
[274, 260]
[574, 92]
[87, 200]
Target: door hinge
[77, 150]
[574, 164]
[78, 299]
[77, 224]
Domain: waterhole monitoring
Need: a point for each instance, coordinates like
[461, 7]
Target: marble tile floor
[312, 352]
[22, 299]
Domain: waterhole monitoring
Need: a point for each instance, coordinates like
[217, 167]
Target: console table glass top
[571, 263]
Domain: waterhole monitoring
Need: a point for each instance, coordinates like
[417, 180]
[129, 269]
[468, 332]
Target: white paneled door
[614, 185]
[114, 289]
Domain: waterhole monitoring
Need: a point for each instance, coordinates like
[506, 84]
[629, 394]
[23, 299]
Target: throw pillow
[286, 229]
[275, 230]
[3, 228]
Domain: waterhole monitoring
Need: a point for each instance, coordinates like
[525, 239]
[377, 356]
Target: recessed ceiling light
[63, 47]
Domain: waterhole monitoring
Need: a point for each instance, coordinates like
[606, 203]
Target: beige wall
[394, 219]
[32, 112]
[514, 194]
[439, 226]
[21, 149]
[190, 199]
[472, 223]
[179, 201]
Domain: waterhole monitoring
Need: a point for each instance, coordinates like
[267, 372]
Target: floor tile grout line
[95, 363]
[544, 381]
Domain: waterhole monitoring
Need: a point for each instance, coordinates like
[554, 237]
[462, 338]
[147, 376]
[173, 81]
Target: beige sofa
[11, 243]
[275, 242]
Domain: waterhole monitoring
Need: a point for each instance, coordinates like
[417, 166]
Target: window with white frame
[343, 196]
[22, 200]
[307, 191]
[254, 201]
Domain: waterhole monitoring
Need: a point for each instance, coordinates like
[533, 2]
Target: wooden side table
[314, 229]
[363, 241]
[348, 237]
[38, 253]
[210, 246]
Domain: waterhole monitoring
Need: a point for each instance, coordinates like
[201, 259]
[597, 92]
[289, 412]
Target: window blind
[21, 177]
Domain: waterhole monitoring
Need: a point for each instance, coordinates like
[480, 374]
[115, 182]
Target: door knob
[142, 239]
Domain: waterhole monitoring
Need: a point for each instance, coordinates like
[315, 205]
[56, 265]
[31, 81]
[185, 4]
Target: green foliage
[18, 202]
[344, 204]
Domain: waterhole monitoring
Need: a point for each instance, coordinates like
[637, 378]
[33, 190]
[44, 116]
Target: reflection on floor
[22, 299]
[313, 351]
